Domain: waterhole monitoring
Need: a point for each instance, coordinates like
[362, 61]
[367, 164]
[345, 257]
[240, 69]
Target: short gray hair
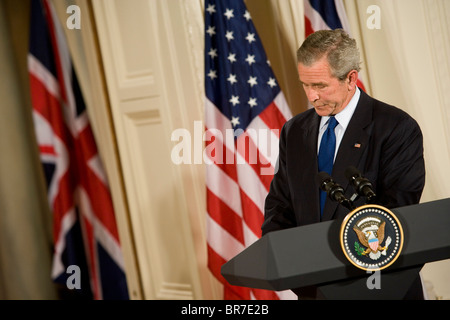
[341, 51]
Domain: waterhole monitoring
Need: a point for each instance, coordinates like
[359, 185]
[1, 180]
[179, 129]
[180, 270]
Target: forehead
[317, 72]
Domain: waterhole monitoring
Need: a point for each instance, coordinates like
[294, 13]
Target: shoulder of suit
[305, 116]
[386, 110]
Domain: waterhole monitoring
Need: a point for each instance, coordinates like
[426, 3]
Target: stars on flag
[229, 35]
[247, 15]
[232, 57]
[234, 121]
[252, 102]
[250, 59]
[234, 100]
[232, 79]
[250, 37]
[229, 14]
[212, 53]
[235, 65]
[272, 83]
[211, 31]
[252, 81]
[211, 8]
[212, 74]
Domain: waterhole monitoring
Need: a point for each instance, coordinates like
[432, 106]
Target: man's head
[328, 65]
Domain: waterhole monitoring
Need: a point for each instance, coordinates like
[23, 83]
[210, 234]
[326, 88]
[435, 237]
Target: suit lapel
[353, 144]
[305, 164]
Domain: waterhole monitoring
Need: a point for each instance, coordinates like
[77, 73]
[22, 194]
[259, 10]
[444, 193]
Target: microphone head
[352, 172]
[322, 177]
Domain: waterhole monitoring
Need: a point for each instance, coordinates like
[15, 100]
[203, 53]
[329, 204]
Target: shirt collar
[346, 114]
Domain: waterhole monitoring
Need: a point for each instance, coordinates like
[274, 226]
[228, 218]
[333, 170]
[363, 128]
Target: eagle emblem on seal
[370, 233]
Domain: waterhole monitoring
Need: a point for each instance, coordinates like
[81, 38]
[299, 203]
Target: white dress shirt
[343, 118]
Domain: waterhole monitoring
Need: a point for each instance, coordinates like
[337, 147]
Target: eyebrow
[315, 83]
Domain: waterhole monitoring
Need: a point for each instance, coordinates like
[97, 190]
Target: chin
[323, 112]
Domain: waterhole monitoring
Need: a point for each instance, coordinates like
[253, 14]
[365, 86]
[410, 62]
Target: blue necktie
[326, 155]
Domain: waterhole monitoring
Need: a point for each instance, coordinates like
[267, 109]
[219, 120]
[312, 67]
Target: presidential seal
[371, 237]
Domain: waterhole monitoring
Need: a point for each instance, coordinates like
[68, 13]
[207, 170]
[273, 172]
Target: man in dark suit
[380, 140]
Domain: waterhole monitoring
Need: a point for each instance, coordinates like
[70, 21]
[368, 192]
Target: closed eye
[317, 86]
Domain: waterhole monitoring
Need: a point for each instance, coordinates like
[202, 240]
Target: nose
[311, 94]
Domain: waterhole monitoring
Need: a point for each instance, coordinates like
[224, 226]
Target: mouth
[325, 109]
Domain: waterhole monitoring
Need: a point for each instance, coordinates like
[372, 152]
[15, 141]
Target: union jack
[84, 226]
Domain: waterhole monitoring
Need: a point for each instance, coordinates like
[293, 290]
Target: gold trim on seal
[344, 224]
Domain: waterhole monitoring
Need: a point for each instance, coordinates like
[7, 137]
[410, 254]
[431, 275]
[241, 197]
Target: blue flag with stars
[239, 79]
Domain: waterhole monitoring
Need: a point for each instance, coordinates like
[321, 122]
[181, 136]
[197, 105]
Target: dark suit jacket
[382, 141]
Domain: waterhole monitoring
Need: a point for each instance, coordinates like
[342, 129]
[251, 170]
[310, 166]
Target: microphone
[362, 185]
[334, 191]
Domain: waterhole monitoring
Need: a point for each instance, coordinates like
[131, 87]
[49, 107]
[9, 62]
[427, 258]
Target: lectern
[312, 255]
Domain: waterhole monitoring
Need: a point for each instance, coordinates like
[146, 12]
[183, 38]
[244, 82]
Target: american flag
[244, 112]
[84, 227]
[326, 15]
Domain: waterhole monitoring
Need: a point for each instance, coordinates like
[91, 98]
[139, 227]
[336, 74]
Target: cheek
[332, 95]
[327, 95]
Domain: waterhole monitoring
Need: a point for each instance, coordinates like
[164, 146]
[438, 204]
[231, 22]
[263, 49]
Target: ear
[352, 78]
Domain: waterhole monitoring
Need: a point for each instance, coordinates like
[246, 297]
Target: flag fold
[87, 253]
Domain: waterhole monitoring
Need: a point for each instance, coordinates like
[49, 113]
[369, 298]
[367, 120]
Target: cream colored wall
[152, 54]
[154, 85]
